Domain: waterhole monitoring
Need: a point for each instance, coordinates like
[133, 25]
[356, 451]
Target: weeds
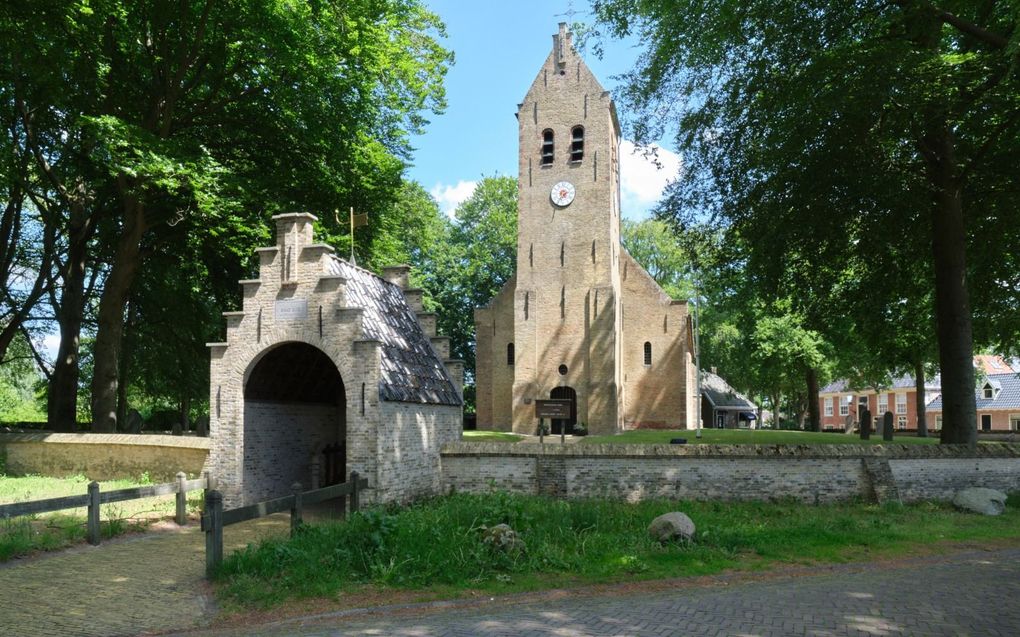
[439, 543]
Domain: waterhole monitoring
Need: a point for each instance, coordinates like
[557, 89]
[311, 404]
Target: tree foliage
[854, 154]
[131, 124]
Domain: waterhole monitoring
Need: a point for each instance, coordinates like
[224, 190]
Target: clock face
[562, 193]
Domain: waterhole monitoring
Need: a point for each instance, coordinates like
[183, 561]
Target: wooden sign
[552, 409]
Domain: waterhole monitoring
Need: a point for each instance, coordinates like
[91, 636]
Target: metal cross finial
[570, 12]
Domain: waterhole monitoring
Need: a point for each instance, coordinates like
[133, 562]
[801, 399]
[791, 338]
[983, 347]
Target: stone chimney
[398, 275]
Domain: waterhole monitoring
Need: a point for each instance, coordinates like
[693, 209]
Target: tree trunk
[111, 319]
[952, 304]
[125, 365]
[814, 416]
[919, 400]
[62, 399]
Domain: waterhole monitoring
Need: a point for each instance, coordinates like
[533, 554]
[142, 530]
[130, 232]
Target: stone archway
[295, 404]
[565, 425]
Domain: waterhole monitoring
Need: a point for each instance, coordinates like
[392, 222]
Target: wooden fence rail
[215, 518]
[94, 499]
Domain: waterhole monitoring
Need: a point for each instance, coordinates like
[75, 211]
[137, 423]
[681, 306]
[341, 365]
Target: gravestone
[865, 424]
[202, 426]
[887, 430]
[133, 423]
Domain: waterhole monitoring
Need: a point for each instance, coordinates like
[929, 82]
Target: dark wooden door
[565, 425]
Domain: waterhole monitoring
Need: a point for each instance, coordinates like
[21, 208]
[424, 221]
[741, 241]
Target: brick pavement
[150, 582]
[973, 594]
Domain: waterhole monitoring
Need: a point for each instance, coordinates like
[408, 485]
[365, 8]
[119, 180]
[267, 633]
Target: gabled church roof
[412, 371]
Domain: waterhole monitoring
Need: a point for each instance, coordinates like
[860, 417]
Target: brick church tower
[581, 320]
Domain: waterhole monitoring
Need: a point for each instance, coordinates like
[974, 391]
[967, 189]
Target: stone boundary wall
[808, 473]
[103, 456]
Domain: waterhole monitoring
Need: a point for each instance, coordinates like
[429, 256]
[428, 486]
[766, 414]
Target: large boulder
[981, 500]
[670, 527]
[502, 538]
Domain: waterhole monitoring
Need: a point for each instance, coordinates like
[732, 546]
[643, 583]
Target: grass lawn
[435, 548]
[50, 531]
[489, 436]
[747, 437]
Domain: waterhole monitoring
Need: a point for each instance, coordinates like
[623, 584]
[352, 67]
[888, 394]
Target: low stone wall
[809, 473]
[103, 456]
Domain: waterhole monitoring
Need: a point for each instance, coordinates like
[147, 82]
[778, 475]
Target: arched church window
[648, 353]
[547, 147]
[577, 143]
[510, 354]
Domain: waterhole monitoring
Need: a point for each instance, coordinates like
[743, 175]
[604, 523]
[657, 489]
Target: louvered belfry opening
[295, 407]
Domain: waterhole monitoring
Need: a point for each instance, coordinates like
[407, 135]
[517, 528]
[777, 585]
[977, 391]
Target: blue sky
[499, 48]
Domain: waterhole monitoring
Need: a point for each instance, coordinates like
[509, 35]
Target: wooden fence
[96, 498]
[215, 518]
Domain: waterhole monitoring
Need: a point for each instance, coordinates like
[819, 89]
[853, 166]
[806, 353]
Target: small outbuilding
[723, 407]
[329, 368]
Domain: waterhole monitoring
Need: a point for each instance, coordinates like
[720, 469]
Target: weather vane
[569, 13]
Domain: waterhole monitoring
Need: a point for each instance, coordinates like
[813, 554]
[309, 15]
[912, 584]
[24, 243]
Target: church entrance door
[565, 425]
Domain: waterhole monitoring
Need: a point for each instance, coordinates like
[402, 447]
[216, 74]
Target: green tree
[224, 113]
[656, 248]
[827, 131]
[478, 258]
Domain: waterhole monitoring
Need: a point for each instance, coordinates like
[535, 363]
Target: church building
[580, 319]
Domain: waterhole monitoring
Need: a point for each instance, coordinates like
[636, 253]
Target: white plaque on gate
[291, 310]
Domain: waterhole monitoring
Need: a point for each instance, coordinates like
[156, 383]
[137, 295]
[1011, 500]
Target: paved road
[150, 582]
[975, 594]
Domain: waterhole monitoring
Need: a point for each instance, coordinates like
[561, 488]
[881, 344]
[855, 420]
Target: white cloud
[50, 345]
[644, 175]
[449, 197]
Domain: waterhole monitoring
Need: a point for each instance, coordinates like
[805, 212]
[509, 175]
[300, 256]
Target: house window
[510, 354]
[844, 407]
[648, 353]
[828, 406]
[883, 403]
[901, 422]
[901, 403]
[989, 392]
[547, 147]
[1014, 422]
[938, 423]
[577, 143]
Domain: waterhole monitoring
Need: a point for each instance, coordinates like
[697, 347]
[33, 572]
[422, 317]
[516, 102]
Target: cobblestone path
[972, 594]
[150, 582]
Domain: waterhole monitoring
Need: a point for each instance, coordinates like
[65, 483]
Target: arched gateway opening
[295, 409]
[565, 425]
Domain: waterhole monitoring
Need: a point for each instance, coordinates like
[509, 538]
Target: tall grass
[439, 543]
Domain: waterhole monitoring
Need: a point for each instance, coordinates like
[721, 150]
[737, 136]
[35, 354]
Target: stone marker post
[887, 429]
[865, 424]
[295, 511]
[212, 524]
[182, 499]
[93, 519]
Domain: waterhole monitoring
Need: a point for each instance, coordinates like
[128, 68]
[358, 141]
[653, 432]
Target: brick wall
[279, 442]
[104, 456]
[745, 472]
[408, 452]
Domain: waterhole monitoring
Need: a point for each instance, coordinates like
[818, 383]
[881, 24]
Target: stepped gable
[411, 371]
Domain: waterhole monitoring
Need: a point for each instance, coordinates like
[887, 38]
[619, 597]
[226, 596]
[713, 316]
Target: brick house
[841, 404]
[998, 403]
[328, 368]
[580, 320]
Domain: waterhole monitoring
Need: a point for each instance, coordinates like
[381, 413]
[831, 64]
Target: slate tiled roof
[412, 372]
[1008, 397]
[903, 382]
[719, 392]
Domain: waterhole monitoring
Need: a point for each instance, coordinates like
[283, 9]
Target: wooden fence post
[212, 524]
[354, 491]
[295, 510]
[93, 518]
[182, 499]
